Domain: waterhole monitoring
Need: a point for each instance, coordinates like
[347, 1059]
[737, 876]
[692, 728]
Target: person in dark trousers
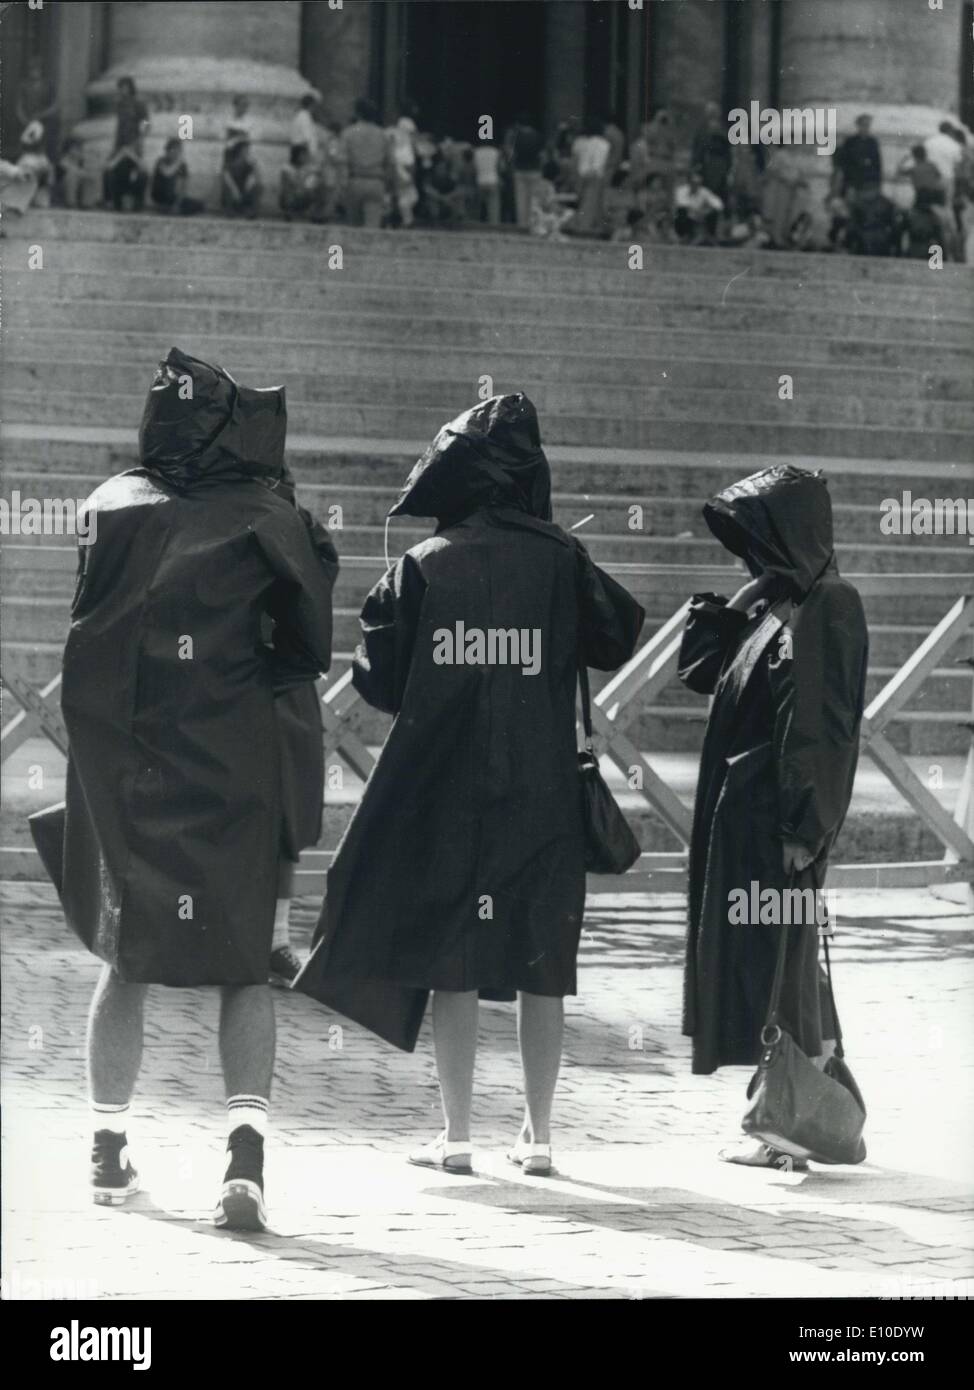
[857, 163]
[125, 172]
[711, 153]
[524, 148]
[785, 661]
[462, 870]
[175, 816]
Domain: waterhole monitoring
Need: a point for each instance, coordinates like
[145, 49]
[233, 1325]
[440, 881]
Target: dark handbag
[794, 1106]
[610, 845]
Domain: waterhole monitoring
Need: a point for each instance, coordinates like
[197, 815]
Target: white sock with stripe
[282, 924]
[108, 1116]
[247, 1110]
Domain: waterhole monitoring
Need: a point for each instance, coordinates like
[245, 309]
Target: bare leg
[114, 1039]
[540, 1029]
[247, 1039]
[828, 1052]
[455, 1017]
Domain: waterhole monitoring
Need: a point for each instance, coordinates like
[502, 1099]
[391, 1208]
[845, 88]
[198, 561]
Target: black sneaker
[112, 1176]
[284, 965]
[241, 1204]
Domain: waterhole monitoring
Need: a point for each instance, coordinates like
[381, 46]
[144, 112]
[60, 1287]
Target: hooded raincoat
[462, 867]
[778, 762]
[175, 806]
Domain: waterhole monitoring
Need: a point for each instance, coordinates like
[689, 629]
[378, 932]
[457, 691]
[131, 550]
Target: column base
[203, 88]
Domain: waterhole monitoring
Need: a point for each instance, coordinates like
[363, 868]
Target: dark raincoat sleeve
[817, 696]
[609, 618]
[711, 630]
[305, 563]
[389, 619]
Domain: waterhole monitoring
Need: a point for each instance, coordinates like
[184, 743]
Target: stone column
[897, 60]
[191, 59]
[336, 54]
[564, 62]
[687, 54]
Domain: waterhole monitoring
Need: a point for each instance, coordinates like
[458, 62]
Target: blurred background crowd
[579, 180]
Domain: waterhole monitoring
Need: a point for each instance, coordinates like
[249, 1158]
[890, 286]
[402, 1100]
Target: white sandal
[439, 1153]
[534, 1159]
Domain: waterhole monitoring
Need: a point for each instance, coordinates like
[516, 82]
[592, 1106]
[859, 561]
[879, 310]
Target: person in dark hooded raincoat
[461, 871]
[785, 660]
[174, 816]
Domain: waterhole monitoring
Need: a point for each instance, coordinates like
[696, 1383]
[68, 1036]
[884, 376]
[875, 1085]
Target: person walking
[785, 662]
[174, 815]
[462, 869]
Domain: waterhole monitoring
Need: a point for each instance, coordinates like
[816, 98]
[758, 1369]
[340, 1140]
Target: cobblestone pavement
[639, 1206]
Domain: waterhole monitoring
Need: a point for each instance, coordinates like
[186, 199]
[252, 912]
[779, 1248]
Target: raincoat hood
[216, 430]
[779, 521]
[490, 455]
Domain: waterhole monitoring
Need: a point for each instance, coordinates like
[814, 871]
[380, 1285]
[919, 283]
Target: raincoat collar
[200, 427]
[779, 521]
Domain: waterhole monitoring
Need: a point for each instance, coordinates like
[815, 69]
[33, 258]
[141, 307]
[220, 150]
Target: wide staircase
[655, 387]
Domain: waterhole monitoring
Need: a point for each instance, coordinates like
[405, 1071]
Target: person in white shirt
[590, 156]
[945, 153]
[304, 128]
[697, 210]
[487, 171]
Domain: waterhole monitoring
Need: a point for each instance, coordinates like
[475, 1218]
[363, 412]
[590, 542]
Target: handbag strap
[777, 983]
[586, 703]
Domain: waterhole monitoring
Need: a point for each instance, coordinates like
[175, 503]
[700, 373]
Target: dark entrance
[463, 61]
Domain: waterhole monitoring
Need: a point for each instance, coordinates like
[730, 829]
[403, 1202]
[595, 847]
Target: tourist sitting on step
[170, 178]
[126, 177]
[696, 210]
[302, 190]
[71, 175]
[33, 158]
[240, 185]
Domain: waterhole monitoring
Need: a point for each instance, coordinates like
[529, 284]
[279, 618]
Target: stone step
[593, 513]
[307, 391]
[775, 436]
[52, 586]
[471, 322]
[661, 592]
[467, 246]
[321, 462]
[148, 336]
[416, 288]
[885, 556]
[267, 359]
